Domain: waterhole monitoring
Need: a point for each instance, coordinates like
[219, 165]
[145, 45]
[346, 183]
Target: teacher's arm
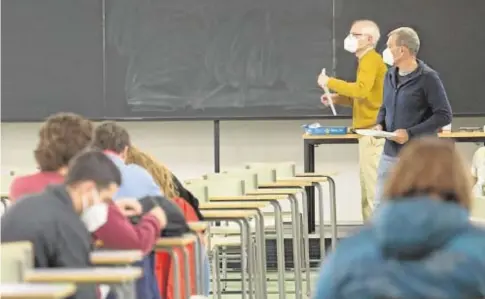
[362, 87]
[440, 106]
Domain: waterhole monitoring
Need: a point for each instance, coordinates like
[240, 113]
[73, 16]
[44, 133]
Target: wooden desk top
[233, 205]
[85, 275]
[315, 174]
[37, 291]
[289, 183]
[227, 214]
[282, 191]
[169, 242]
[356, 136]
[115, 257]
[261, 197]
[310, 180]
[198, 226]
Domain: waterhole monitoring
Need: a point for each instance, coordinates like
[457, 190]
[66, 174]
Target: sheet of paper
[375, 133]
[329, 96]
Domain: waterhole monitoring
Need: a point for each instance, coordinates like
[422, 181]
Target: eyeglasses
[358, 35]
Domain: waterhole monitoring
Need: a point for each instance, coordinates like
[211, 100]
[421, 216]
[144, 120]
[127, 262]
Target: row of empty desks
[312, 141]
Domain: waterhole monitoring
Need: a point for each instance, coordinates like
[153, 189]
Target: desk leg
[280, 249]
[185, 255]
[309, 166]
[125, 291]
[176, 268]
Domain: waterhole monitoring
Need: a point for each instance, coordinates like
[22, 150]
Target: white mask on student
[351, 44]
[387, 57]
[95, 215]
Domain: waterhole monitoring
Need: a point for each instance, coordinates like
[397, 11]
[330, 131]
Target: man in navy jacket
[414, 103]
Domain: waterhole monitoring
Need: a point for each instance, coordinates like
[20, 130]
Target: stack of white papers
[375, 133]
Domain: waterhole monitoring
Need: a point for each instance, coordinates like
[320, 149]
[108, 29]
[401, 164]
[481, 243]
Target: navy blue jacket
[418, 104]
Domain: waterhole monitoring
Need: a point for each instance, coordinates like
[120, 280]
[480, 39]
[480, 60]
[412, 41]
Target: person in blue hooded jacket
[420, 242]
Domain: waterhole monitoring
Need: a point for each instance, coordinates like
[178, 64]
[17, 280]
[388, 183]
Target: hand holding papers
[328, 95]
[375, 133]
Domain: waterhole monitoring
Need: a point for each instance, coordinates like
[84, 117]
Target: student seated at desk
[420, 242]
[58, 220]
[183, 198]
[114, 140]
[61, 137]
[478, 172]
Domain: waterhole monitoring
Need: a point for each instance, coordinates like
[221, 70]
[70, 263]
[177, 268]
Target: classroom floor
[234, 286]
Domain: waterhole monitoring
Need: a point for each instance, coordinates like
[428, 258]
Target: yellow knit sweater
[364, 95]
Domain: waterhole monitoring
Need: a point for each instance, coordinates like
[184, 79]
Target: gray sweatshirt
[60, 238]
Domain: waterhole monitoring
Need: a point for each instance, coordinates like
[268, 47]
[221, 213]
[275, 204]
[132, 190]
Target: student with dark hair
[58, 220]
[61, 137]
[114, 140]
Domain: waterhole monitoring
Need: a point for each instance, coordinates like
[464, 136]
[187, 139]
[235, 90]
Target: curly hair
[111, 136]
[160, 173]
[61, 137]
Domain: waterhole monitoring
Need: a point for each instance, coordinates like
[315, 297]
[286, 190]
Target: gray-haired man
[415, 101]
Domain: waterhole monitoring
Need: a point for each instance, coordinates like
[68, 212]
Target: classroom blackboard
[214, 59]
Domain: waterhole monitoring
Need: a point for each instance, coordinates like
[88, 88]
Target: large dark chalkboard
[52, 58]
[215, 58]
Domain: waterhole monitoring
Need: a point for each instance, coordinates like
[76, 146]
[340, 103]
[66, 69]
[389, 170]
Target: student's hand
[129, 207]
[401, 136]
[160, 215]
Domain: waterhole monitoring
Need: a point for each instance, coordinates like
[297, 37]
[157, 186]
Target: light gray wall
[187, 148]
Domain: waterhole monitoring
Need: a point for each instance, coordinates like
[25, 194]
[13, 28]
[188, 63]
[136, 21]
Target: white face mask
[96, 215]
[351, 44]
[387, 57]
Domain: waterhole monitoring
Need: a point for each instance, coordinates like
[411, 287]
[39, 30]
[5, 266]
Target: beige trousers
[370, 150]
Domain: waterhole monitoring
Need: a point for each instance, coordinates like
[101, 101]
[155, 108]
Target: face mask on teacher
[351, 44]
[387, 57]
[95, 215]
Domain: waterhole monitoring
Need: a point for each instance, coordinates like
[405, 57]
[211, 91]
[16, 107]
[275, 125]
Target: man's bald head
[368, 28]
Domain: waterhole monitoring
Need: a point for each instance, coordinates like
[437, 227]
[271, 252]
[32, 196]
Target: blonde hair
[431, 166]
[160, 173]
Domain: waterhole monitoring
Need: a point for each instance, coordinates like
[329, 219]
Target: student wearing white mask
[365, 97]
[415, 102]
[58, 221]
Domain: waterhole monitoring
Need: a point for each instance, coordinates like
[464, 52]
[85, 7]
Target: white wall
[187, 148]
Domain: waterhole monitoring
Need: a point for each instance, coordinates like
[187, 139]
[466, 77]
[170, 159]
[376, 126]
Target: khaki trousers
[370, 150]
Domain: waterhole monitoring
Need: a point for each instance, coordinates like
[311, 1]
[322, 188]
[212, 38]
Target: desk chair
[250, 179]
[478, 207]
[17, 257]
[227, 186]
[168, 244]
[36, 291]
[242, 217]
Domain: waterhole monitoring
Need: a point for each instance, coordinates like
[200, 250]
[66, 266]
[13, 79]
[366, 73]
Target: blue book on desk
[325, 130]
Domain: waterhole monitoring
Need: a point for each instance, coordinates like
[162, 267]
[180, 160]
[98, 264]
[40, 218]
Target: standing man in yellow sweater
[365, 97]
